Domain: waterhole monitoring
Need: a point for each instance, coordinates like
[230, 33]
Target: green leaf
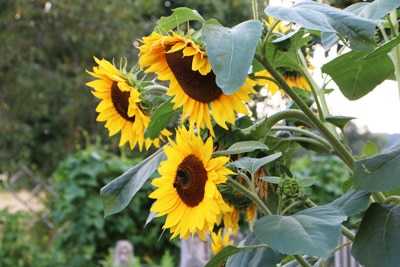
[370, 149]
[374, 10]
[377, 240]
[330, 21]
[357, 75]
[339, 121]
[259, 255]
[353, 202]
[313, 231]
[358, 78]
[271, 179]
[160, 119]
[117, 194]
[379, 172]
[253, 164]
[242, 147]
[179, 15]
[382, 50]
[228, 251]
[231, 51]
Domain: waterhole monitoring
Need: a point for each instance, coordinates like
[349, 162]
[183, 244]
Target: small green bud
[289, 188]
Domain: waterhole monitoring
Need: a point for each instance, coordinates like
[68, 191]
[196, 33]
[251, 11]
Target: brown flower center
[201, 88]
[120, 99]
[190, 180]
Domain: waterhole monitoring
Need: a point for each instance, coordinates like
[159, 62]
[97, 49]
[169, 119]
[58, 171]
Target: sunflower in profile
[184, 63]
[120, 105]
[187, 189]
[292, 78]
[219, 242]
[231, 219]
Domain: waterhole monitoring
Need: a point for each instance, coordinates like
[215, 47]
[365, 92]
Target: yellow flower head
[187, 189]
[192, 82]
[231, 219]
[292, 78]
[120, 105]
[219, 242]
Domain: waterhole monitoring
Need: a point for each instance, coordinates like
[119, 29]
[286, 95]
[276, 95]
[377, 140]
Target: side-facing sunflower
[219, 242]
[184, 63]
[292, 78]
[187, 189]
[120, 105]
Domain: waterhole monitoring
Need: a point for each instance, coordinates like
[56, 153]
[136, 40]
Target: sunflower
[219, 241]
[185, 65]
[231, 219]
[292, 78]
[120, 105]
[187, 189]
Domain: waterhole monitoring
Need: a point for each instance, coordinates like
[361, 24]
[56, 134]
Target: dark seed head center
[190, 180]
[200, 87]
[120, 100]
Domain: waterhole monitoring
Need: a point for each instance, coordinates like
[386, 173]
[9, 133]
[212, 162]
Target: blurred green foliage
[78, 206]
[19, 249]
[81, 235]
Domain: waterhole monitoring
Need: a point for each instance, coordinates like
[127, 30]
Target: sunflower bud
[289, 188]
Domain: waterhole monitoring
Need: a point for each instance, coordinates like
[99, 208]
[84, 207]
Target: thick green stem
[253, 196]
[255, 9]
[379, 197]
[347, 233]
[339, 148]
[395, 53]
[392, 199]
[287, 114]
[294, 204]
[302, 132]
[301, 261]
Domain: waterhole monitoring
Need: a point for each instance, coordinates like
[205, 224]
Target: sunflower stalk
[396, 50]
[303, 132]
[254, 6]
[301, 261]
[319, 94]
[339, 148]
[292, 205]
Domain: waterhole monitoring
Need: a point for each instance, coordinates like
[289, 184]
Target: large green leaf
[383, 49]
[229, 251]
[160, 119]
[253, 164]
[242, 147]
[379, 172]
[179, 15]
[117, 194]
[231, 51]
[258, 256]
[353, 202]
[330, 21]
[374, 10]
[357, 73]
[377, 240]
[313, 231]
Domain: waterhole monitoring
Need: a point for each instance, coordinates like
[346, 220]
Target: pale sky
[379, 110]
